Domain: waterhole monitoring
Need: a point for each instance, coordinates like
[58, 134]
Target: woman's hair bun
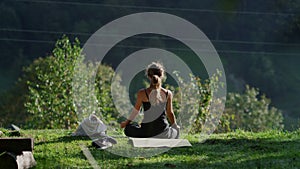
[155, 79]
[155, 68]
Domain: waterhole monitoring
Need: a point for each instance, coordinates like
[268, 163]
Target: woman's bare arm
[170, 112]
[135, 110]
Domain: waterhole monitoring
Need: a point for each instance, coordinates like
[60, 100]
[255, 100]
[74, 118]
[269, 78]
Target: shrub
[252, 111]
[49, 99]
[12, 110]
[48, 89]
[195, 110]
[52, 88]
[44, 96]
[247, 111]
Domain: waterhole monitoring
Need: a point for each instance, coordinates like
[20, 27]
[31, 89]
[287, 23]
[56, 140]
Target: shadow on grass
[214, 153]
[64, 139]
[230, 153]
[264, 162]
[256, 145]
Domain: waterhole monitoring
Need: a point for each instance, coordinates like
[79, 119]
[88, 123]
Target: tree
[57, 98]
[50, 92]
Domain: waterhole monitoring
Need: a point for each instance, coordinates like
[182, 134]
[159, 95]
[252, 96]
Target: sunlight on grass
[239, 149]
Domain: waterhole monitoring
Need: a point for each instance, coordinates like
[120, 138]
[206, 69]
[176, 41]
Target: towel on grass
[155, 142]
[93, 127]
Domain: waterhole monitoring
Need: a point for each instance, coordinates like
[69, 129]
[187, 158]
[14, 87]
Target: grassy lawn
[273, 149]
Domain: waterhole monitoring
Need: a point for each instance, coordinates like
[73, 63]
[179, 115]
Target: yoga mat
[154, 142]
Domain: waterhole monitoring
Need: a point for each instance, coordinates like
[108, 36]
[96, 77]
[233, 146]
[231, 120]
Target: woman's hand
[124, 123]
[175, 126]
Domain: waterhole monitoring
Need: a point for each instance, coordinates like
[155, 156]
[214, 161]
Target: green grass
[273, 149]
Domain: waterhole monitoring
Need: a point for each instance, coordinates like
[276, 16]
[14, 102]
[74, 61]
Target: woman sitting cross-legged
[157, 105]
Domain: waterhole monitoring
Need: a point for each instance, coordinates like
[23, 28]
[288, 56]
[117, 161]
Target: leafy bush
[252, 111]
[242, 111]
[44, 96]
[104, 96]
[194, 111]
[92, 92]
[48, 90]
[12, 108]
[52, 88]
[49, 99]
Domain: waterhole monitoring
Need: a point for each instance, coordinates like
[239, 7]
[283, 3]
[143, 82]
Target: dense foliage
[193, 100]
[55, 98]
[257, 40]
[50, 92]
[251, 111]
[47, 90]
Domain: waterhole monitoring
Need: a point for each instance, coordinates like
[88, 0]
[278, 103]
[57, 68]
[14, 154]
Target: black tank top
[155, 120]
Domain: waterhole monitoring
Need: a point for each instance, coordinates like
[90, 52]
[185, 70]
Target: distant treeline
[258, 41]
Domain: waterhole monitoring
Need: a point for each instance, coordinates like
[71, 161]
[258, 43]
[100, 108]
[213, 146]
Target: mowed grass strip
[239, 149]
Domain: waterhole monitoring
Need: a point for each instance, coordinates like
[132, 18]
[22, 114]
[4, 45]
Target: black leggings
[134, 130]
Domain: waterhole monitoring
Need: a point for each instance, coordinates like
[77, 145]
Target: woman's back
[157, 104]
[155, 120]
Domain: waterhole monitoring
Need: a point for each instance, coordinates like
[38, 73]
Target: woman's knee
[131, 131]
[128, 131]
